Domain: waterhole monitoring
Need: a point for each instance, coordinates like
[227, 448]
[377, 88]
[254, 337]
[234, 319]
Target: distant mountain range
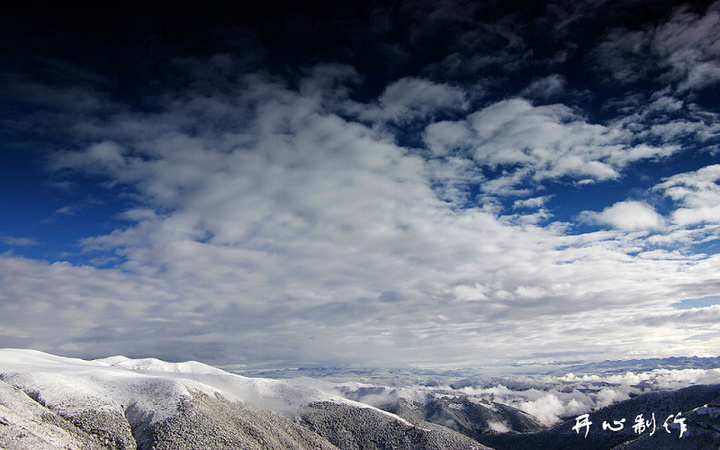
[51, 402]
[559, 368]
[642, 365]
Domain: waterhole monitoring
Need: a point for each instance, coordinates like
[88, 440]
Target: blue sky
[443, 183]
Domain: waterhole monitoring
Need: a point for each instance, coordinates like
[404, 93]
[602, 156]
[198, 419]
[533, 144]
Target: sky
[379, 184]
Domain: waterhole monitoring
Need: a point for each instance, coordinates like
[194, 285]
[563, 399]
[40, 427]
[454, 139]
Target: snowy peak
[147, 381]
[17, 358]
[52, 402]
[119, 402]
[156, 365]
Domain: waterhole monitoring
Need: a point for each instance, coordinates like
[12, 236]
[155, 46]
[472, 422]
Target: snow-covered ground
[151, 385]
[49, 401]
[53, 402]
[155, 385]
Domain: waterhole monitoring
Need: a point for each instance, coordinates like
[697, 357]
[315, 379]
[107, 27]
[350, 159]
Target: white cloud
[445, 137]
[66, 301]
[471, 293]
[627, 215]
[537, 203]
[534, 202]
[539, 143]
[531, 292]
[697, 194]
[546, 409]
[546, 88]
[270, 223]
[554, 398]
[409, 99]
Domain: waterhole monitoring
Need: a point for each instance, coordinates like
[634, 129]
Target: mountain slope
[51, 402]
[119, 403]
[25, 424]
[363, 428]
[205, 422]
[692, 403]
[470, 417]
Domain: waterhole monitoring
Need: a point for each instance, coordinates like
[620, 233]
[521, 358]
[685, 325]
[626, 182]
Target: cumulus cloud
[534, 202]
[293, 222]
[446, 136]
[697, 194]
[324, 211]
[539, 143]
[549, 409]
[627, 215]
[546, 408]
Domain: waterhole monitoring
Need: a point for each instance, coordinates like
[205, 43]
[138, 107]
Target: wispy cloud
[682, 50]
[19, 241]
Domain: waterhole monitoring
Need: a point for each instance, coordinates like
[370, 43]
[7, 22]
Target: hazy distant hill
[641, 365]
[430, 376]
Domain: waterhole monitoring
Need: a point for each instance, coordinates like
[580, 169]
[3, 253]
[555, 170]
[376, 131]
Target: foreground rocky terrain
[50, 402]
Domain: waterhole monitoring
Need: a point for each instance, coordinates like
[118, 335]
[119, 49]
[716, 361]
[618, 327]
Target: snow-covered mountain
[52, 402]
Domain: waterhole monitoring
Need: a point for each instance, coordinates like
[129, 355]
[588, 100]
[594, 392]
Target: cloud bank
[285, 216]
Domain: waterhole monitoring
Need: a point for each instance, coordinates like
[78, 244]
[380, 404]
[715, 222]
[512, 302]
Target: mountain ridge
[150, 404]
[54, 402]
